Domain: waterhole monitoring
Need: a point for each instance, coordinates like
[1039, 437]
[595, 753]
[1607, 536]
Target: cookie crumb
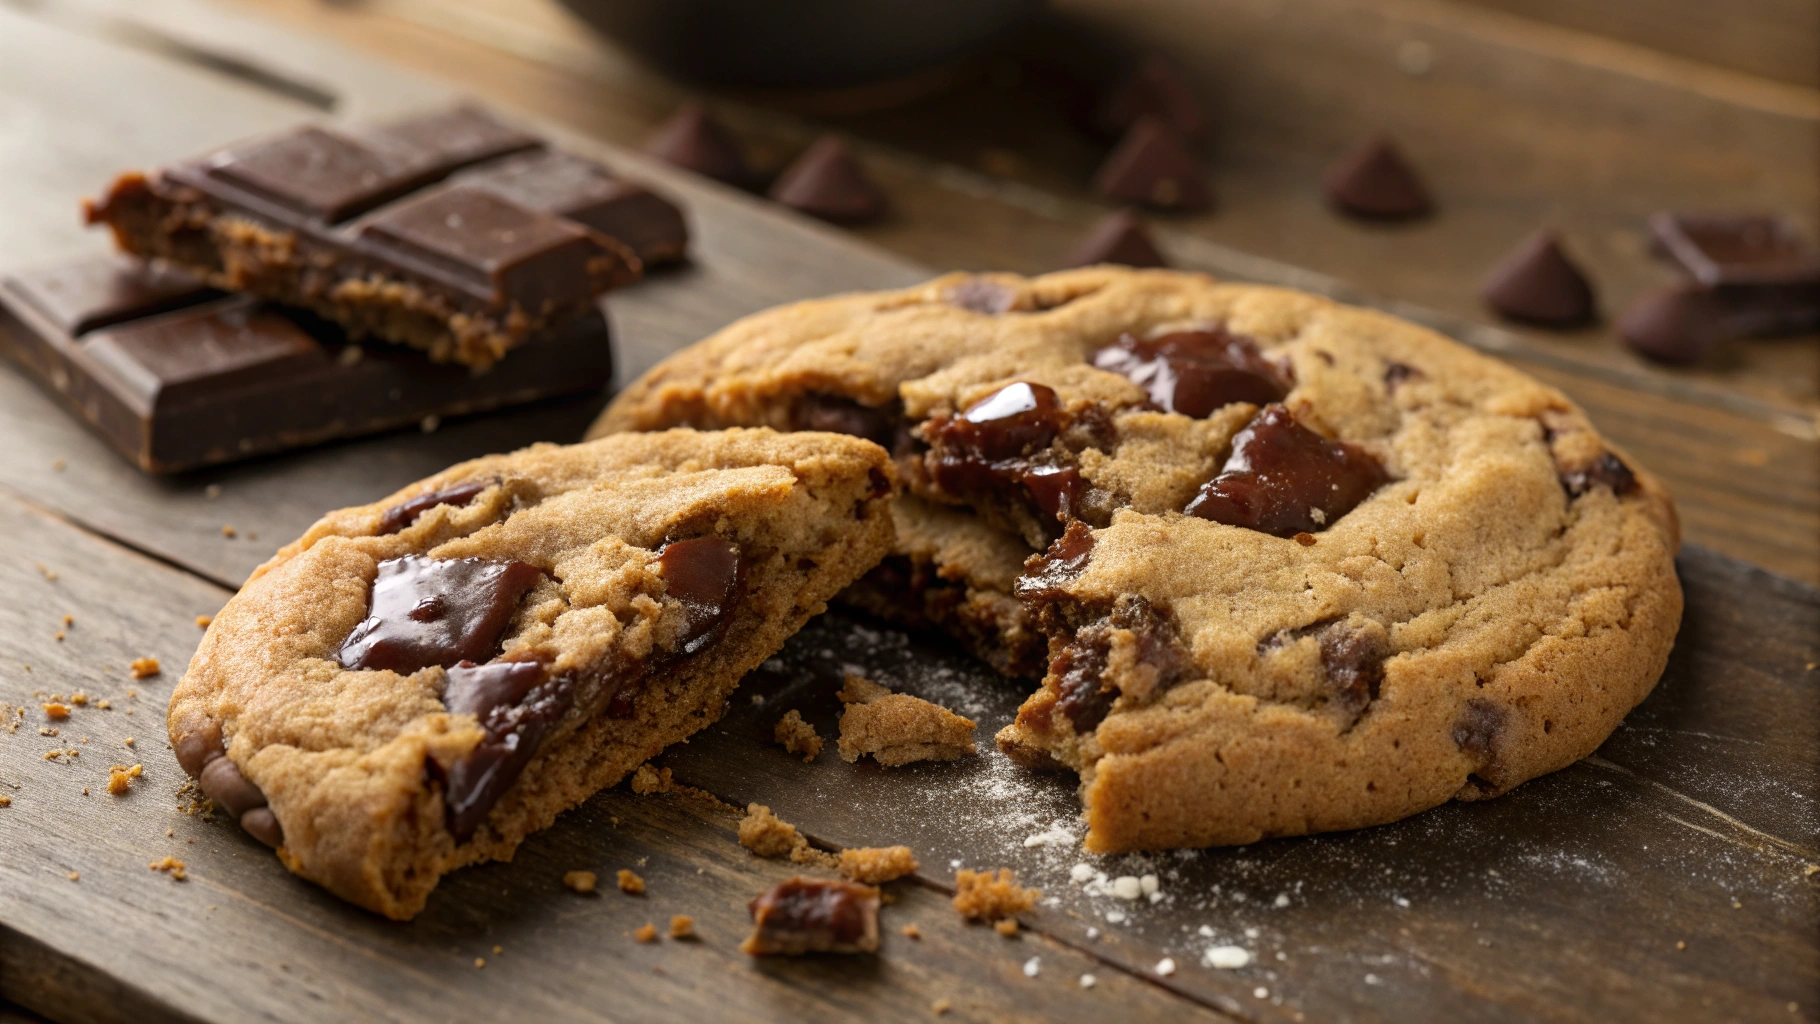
[1006, 926]
[227, 530]
[1681, 945]
[75, 876]
[142, 668]
[580, 881]
[941, 1006]
[203, 621]
[797, 736]
[6, 801]
[128, 742]
[647, 780]
[896, 728]
[79, 698]
[171, 865]
[56, 710]
[646, 934]
[911, 931]
[68, 621]
[765, 834]
[979, 896]
[103, 704]
[682, 926]
[630, 883]
[120, 778]
[480, 961]
[877, 864]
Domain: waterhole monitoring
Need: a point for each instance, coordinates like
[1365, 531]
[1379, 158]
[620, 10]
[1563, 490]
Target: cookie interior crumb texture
[875, 865]
[983, 896]
[797, 736]
[896, 728]
[767, 835]
[351, 705]
[1111, 479]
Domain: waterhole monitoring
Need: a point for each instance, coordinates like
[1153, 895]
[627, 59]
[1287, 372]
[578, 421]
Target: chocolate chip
[998, 446]
[1152, 167]
[1354, 660]
[435, 611]
[1154, 89]
[1374, 181]
[1736, 249]
[262, 824]
[1283, 479]
[704, 574]
[981, 295]
[1195, 372]
[1537, 283]
[1047, 575]
[1395, 374]
[198, 746]
[693, 140]
[222, 782]
[1607, 471]
[838, 414]
[1121, 238]
[1479, 728]
[1056, 490]
[1084, 694]
[406, 512]
[804, 915]
[1679, 323]
[828, 182]
[1017, 419]
[516, 705]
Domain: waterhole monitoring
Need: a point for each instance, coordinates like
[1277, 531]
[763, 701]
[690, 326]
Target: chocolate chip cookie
[417, 684]
[1302, 566]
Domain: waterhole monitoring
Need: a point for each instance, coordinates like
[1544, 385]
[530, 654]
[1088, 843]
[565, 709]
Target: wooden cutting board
[1666, 878]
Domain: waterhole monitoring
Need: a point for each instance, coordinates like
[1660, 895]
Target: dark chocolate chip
[1084, 695]
[1479, 728]
[981, 295]
[1153, 89]
[838, 414]
[704, 573]
[1017, 419]
[1606, 471]
[693, 140]
[1537, 283]
[1374, 181]
[516, 704]
[198, 746]
[1396, 374]
[406, 512]
[1195, 372]
[262, 824]
[1046, 576]
[1152, 167]
[1354, 660]
[222, 782]
[1056, 490]
[1737, 249]
[474, 600]
[801, 915]
[1120, 238]
[1678, 323]
[1284, 479]
[827, 181]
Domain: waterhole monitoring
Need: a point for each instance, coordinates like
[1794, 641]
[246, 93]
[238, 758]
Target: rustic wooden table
[1671, 876]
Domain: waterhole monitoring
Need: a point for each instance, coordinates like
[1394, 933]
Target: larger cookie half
[1303, 566]
[418, 684]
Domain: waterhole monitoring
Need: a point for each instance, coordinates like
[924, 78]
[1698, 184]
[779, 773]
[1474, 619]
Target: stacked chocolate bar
[329, 282]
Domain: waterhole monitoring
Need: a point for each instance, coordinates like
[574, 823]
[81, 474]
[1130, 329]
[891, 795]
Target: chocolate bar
[176, 375]
[1720, 250]
[449, 231]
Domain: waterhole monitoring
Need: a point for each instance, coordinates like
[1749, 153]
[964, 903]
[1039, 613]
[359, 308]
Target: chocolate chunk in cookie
[1284, 479]
[813, 915]
[1195, 372]
[704, 574]
[1605, 471]
[517, 705]
[1087, 681]
[405, 513]
[434, 611]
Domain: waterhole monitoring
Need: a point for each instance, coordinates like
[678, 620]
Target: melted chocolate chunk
[517, 705]
[1084, 694]
[1354, 660]
[435, 611]
[1046, 575]
[1195, 372]
[1056, 490]
[1607, 470]
[803, 915]
[1478, 729]
[1017, 419]
[222, 782]
[1395, 374]
[704, 573]
[838, 414]
[993, 447]
[1284, 479]
[406, 512]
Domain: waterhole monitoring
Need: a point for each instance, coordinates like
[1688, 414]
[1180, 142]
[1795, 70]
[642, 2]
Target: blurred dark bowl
[788, 44]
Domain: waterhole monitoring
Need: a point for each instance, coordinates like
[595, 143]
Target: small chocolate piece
[839, 414]
[262, 824]
[694, 141]
[827, 181]
[436, 611]
[1084, 694]
[406, 512]
[1153, 89]
[1014, 420]
[1195, 372]
[1046, 575]
[1374, 181]
[1354, 660]
[1120, 238]
[1396, 374]
[1284, 479]
[996, 448]
[981, 295]
[222, 782]
[1152, 167]
[318, 173]
[704, 573]
[1056, 490]
[812, 915]
[1479, 728]
[517, 705]
[1536, 282]
[1681, 323]
[1745, 249]
[567, 186]
[1607, 470]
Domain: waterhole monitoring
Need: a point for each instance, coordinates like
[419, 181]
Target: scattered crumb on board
[581, 881]
[980, 896]
[797, 736]
[630, 883]
[896, 728]
[876, 864]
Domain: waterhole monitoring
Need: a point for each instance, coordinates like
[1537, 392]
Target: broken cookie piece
[896, 728]
[875, 865]
[808, 915]
[983, 896]
[765, 834]
[797, 736]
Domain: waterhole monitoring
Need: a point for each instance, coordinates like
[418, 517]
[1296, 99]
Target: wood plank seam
[118, 541]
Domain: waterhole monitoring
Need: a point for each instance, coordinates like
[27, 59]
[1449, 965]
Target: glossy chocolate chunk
[517, 704]
[88, 294]
[452, 137]
[1606, 471]
[827, 181]
[436, 611]
[996, 447]
[1046, 576]
[1084, 694]
[1015, 420]
[1537, 283]
[1737, 249]
[1284, 479]
[693, 140]
[187, 357]
[318, 173]
[1152, 167]
[406, 512]
[567, 186]
[1121, 238]
[1375, 181]
[1153, 89]
[805, 915]
[704, 574]
[1195, 372]
[1055, 490]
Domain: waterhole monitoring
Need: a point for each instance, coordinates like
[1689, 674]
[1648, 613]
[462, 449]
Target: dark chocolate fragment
[1606, 471]
[1120, 238]
[1000, 447]
[812, 915]
[693, 140]
[452, 137]
[516, 704]
[89, 294]
[1737, 249]
[436, 611]
[198, 746]
[262, 824]
[1152, 167]
[203, 756]
[1055, 490]
[1017, 419]
[1374, 181]
[1046, 576]
[1537, 283]
[406, 512]
[1153, 89]
[567, 186]
[838, 414]
[1681, 323]
[1479, 728]
[704, 573]
[1354, 660]
[827, 181]
[982, 295]
[190, 356]
[318, 173]
[1395, 374]
[222, 782]
[1284, 479]
[1195, 372]
[1084, 695]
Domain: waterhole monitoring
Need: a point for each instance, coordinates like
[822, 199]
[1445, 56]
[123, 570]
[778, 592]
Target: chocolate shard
[693, 140]
[1284, 479]
[1153, 89]
[1047, 575]
[1084, 694]
[1736, 249]
[1479, 729]
[1537, 283]
[812, 915]
[1121, 238]
[1606, 471]
[704, 574]
[827, 181]
[517, 705]
[1374, 181]
[1152, 167]
[566, 185]
[406, 512]
[436, 611]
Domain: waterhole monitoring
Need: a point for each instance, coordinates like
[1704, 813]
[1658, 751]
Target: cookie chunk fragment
[984, 896]
[797, 736]
[875, 865]
[767, 835]
[809, 915]
[896, 728]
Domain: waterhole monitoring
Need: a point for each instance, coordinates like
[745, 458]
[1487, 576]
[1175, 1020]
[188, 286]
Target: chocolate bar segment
[174, 375]
[1745, 249]
[363, 227]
